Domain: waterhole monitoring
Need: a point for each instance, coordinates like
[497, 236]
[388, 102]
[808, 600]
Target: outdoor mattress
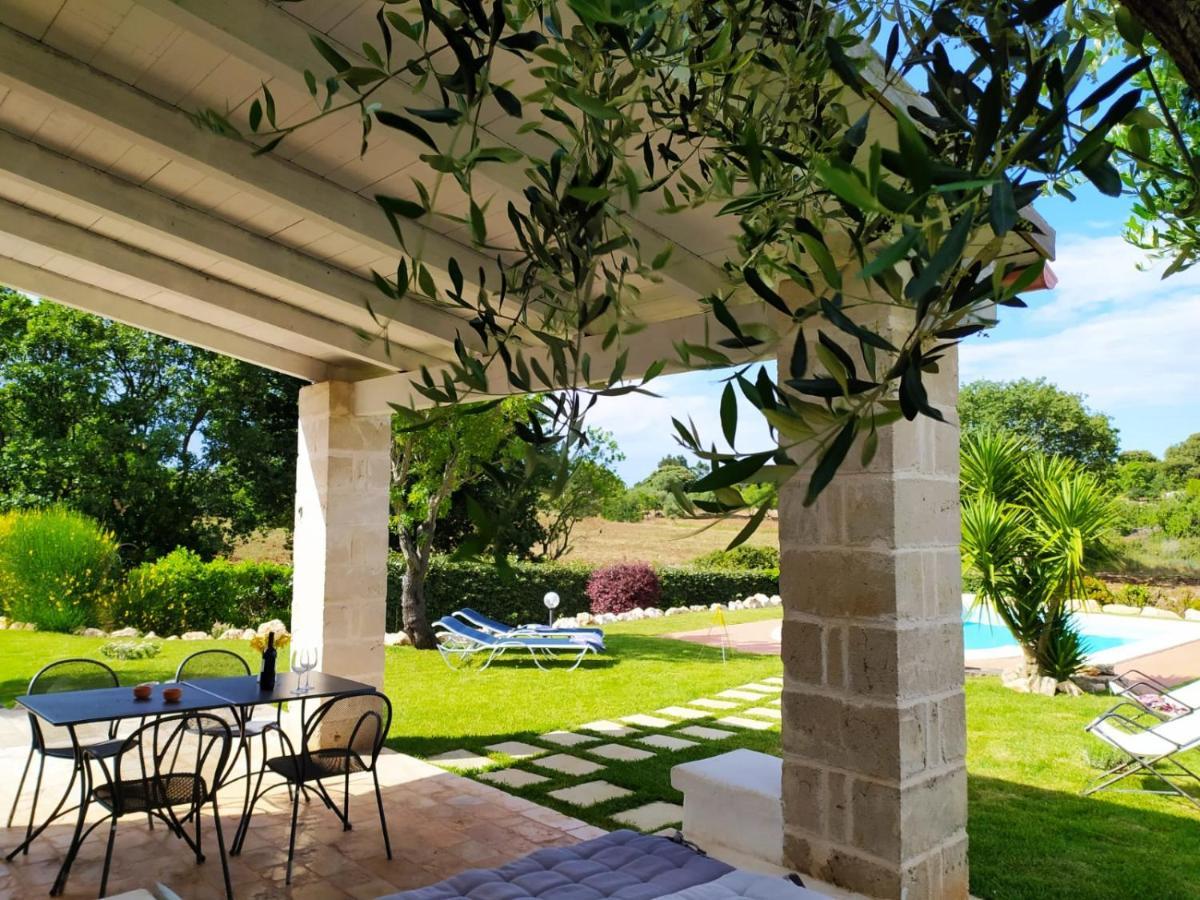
[622, 865]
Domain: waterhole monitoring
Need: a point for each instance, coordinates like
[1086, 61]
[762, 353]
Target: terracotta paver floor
[440, 824]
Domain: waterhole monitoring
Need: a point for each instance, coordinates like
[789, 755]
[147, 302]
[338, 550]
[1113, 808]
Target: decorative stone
[1192, 615]
[1069, 688]
[514, 778]
[396, 639]
[195, 636]
[172, 637]
[249, 634]
[566, 764]
[665, 742]
[274, 625]
[651, 816]
[1121, 609]
[647, 721]
[742, 722]
[713, 704]
[94, 632]
[515, 749]
[620, 752]
[460, 759]
[129, 633]
[1153, 612]
[589, 793]
[705, 733]
[230, 634]
[682, 712]
[610, 729]
[567, 738]
[765, 712]
[3, 623]
[150, 636]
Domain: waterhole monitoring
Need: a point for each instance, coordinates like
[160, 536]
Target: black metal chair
[170, 769]
[364, 722]
[54, 742]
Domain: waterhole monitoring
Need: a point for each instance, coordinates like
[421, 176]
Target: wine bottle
[266, 678]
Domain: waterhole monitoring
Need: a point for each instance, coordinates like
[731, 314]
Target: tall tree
[1181, 462]
[580, 490]
[1051, 420]
[166, 444]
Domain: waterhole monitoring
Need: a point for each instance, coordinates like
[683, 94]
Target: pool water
[994, 636]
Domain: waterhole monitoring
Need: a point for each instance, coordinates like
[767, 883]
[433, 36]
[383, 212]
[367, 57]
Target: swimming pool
[994, 636]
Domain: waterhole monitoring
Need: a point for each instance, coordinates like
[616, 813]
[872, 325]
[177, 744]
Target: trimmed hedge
[518, 599]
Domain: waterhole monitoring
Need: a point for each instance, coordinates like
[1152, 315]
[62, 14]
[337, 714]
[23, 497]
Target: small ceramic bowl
[172, 694]
[142, 691]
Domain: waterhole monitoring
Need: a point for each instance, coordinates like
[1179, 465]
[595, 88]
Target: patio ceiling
[112, 201]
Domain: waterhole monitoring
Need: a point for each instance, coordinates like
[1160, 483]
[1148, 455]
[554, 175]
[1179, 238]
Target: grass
[1032, 835]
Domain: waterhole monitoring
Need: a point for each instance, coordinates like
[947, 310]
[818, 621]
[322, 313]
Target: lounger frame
[1160, 766]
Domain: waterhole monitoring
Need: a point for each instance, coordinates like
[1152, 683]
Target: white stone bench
[733, 807]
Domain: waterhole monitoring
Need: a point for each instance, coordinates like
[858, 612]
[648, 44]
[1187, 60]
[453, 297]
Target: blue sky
[1112, 331]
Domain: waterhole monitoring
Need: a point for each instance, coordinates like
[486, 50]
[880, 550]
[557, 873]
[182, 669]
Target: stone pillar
[343, 474]
[874, 728]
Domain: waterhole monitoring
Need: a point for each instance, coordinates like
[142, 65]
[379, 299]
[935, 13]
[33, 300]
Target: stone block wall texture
[343, 474]
[874, 727]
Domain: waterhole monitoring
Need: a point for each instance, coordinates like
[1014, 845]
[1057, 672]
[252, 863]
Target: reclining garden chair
[1153, 695]
[1151, 747]
[459, 643]
[493, 626]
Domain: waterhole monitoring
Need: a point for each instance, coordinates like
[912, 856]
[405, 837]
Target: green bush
[686, 586]
[1134, 595]
[180, 592]
[740, 559]
[56, 567]
[1095, 589]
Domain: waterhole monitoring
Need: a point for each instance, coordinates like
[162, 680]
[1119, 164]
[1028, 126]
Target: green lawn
[1032, 835]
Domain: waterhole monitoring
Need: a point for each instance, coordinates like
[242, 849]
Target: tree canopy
[1049, 419]
[166, 444]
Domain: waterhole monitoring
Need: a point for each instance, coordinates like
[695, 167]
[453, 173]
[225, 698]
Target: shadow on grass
[1034, 843]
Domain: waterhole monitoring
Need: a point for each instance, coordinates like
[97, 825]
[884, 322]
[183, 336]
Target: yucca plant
[1033, 526]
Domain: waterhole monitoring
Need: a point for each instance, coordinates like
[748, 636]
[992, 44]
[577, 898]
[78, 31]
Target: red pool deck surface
[1174, 666]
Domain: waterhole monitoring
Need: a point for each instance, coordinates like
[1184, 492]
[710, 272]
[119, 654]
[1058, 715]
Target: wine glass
[303, 661]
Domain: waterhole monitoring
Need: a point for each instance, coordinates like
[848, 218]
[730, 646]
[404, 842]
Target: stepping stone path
[740, 722]
[460, 759]
[705, 733]
[620, 752]
[589, 793]
[567, 738]
[609, 729]
[761, 688]
[651, 816]
[647, 721]
[516, 749]
[516, 778]
[566, 764]
[739, 694]
[773, 679]
[766, 712]
[776, 702]
[665, 742]
[682, 712]
[713, 704]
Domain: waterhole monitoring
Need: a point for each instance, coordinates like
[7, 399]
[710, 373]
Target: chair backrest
[73, 674]
[177, 760]
[462, 630]
[479, 620]
[355, 725]
[215, 663]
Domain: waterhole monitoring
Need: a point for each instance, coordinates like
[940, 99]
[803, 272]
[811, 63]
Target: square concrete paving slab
[590, 793]
[742, 722]
[665, 742]
[761, 687]
[647, 721]
[607, 728]
[705, 733]
[709, 703]
[766, 712]
[776, 702]
[772, 679]
[620, 752]
[516, 749]
[683, 712]
[568, 738]
[516, 778]
[460, 759]
[738, 694]
[566, 764]
[651, 816]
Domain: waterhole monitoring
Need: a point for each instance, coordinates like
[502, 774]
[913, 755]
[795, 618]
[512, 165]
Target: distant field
[666, 542]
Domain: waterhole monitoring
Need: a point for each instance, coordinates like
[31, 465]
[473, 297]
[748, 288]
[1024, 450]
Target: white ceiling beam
[76, 182]
[272, 39]
[64, 82]
[89, 298]
[377, 396]
[209, 294]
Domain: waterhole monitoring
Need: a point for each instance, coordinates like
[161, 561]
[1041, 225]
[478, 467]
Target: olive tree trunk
[413, 612]
[1175, 24]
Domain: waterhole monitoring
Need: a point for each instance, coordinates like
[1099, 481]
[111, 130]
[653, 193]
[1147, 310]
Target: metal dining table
[72, 709]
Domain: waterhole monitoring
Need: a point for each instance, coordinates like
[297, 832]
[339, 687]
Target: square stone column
[874, 728]
[340, 548]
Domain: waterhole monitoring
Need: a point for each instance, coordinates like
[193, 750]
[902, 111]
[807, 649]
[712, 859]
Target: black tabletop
[109, 704]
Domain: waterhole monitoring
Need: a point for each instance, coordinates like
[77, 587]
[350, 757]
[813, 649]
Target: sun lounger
[459, 643]
[1151, 747]
[1151, 694]
[493, 626]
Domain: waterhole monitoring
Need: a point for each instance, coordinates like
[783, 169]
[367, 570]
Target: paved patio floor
[440, 824]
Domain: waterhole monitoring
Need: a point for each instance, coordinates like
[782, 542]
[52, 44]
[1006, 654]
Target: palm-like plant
[1033, 525]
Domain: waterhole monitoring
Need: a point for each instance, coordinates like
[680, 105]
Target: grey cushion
[742, 885]
[623, 865]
